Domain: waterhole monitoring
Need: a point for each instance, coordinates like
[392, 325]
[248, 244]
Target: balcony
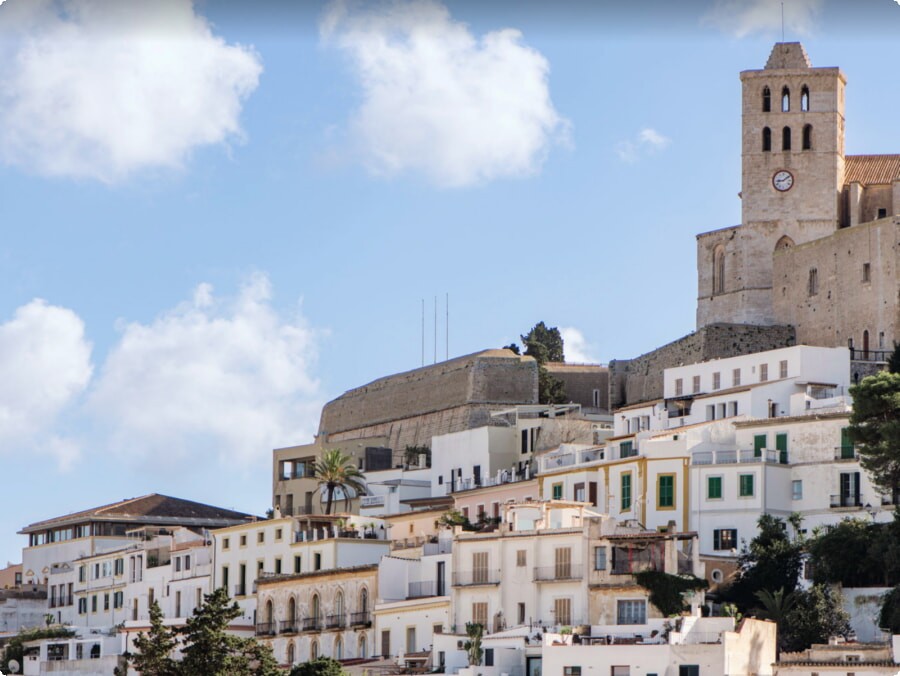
[265, 629]
[372, 501]
[312, 624]
[841, 501]
[475, 578]
[418, 590]
[336, 621]
[732, 457]
[361, 619]
[869, 355]
[558, 573]
[289, 626]
[240, 590]
[845, 453]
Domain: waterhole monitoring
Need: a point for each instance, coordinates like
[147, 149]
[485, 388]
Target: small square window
[278, 534]
[261, 537]
[226, 543]
[557, 491]
[520, 558]
[243, 540]
[867, 272]
[746, 485]
[724, 538]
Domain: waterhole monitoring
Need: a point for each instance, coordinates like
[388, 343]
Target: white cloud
[742, 17]
[101, 89]
[647, 142]
[45, 365]
[212, 380]
[438, 100]
[575, 346]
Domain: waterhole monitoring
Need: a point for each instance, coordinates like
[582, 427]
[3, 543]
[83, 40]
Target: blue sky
[217, 216]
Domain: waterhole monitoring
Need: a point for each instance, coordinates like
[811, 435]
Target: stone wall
[580, 381]
[409, 408]
[847, 301]
[641, 379]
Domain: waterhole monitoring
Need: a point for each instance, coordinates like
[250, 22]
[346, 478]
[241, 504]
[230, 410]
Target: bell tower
[792, 160]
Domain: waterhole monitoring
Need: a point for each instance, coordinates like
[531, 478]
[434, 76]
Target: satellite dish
[13, 666]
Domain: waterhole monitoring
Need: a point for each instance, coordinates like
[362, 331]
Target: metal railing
[558, 573]
[838, 501]
[869, 355]
[732, 457]
[372, 501]
[240, 590]
[265, 628]
[426, 588]
[361, 619]
[473, 578]
[845, 453]
[336, 621]
[289, 626]
[312, 624]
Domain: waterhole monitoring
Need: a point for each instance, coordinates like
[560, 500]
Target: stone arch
[807, 137]
[291, 653]
[364, 600]
[314, 650]
[292, 609]
[766, 139]
[718, 269]
[339, 603]
[362, 646]
[784, 242]
[270, 612]
[766, 99]
[804, 98]
[786, 138]
[338, 648]
[785, 99]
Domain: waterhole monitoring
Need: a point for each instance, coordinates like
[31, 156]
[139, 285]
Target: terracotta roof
[153, 508]
[871, 169]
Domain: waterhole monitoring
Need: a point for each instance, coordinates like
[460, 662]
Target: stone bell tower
[792, 142]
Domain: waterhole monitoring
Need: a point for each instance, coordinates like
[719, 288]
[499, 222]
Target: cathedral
[815, 258]
[817, 247]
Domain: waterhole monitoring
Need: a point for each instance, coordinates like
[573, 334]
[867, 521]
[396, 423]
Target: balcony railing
[296, 511]
[731, 457]
[336, 621]
[265, 628]
[838, 501]
[474, 578]
[289, 626]
[372, 501]
[312, 624]
[361, 619]
[869, 355]
[422, 589]
[240, 590]
[558, 573]
[845, 453]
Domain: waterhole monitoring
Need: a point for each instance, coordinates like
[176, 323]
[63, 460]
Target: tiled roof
[871, 169]
[146, 509]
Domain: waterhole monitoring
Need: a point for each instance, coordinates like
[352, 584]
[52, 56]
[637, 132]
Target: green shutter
[846, 444]
[759, 443]
[781, 444]
[666, 497]
[746, 487]
[626, 492]
[714, 487]
[625, 449]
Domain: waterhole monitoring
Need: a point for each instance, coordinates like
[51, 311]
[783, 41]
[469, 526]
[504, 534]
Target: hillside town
[706, 508]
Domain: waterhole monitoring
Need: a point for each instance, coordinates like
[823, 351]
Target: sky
[216, 216]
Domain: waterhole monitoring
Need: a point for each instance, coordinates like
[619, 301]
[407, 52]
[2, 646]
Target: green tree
[667, 591]
[15, 648]
[153, 650]
[335, 470]
[816, 616]
[875, 428]
[473, 647]
[212, 651]
[544, 344]
[771, 561]
[876, 554]
[890, 611]
[776, 606]
[323, 666]
[893, 364]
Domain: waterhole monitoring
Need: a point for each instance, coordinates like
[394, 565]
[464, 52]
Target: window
[261, 537]
[243, 540]
[278, 534]
[317, 561]
[489, 657]
[781, 445]
[82, 606]
[410, 639]
[785, 100]
[626, 449]
[297, 564]
[571, 671]
[746, 485]
[665, 491]
[766, 100]
[626, 491]
[735, 377]
[82, 573]
[882, 213]
[714, 488]
[479, 567]
[620, 671]
[786, 138]
[717, 380]
[521, 558]
[562, 557]
[631, 612]
[596, 398]
[796, 489]
[278, 566]
[94, 603]
[557, 491]
[766, 140]
[718, 270]
[783, 368]
[867, 272]
[119, 567]
[118, 599]
[763, 372]
[106, 602]
[813, 284]
[732, 408]
[725, 538]
[177, 564]
[696, 384]
[804, 99]
[521, 613]
[679, 387]
[562, 611]
[759, 443]
[579, 492]
[226, 543]
[479, 613]
[689, 670]
[599, 558]
[807, 137]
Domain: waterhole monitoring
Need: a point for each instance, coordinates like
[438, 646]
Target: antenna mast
[423, 332]
[447, 326]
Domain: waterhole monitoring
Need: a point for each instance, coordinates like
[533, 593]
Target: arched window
[718, 270]
[786, 138]
[804, 98]
[363, 648]
[292, 613]
[338, 648]
[314, 608]
[784, 243]
[767, 139]
[270, 612]
[314, 650]
[339, 604]
[364, 600]
[813, 281]
[290, 652]
[767, 100]
[807, 137]
[785, 99]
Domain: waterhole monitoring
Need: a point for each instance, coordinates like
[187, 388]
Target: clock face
[783, 180]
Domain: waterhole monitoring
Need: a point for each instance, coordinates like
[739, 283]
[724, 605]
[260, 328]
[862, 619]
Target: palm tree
[776, 607]
[335, 470]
